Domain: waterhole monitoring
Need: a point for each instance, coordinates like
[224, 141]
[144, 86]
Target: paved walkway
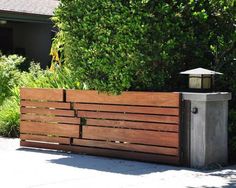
[32, 168]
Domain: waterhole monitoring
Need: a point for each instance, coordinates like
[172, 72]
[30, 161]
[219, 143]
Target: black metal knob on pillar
[194, 110]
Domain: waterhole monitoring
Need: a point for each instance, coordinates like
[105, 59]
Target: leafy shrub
[143, 44]
[60, 77]
[103, 40]
[13, 78]
[9, 74]
[9, 117]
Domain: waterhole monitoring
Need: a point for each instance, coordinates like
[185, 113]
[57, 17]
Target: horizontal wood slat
[42, 94]
[128, 98]
[56, 105]
[131, 136]
[41, 118]
[50, 129]
[134, 125]
[47, 111]
[174, 160]
[45, 138]
[128, 147]
[130, 109]
[132, 117]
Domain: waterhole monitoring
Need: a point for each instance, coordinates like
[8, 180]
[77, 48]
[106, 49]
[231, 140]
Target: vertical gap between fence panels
[181, 128]
[64, 95]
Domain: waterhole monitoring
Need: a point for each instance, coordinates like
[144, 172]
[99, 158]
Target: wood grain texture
[134, 125]
[127, 109]
[127, 147]
[41, 94]
[41, 111]
[131, 136]
[50, 129]
[174, 160]
[132, 117]
[45, 138]
[127, 98]
[41, 118]
[41, 104]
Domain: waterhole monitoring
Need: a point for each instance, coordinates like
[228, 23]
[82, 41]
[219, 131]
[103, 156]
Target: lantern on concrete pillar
[201, 79]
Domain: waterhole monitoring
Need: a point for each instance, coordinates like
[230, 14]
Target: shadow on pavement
[105, 164]
[127, 167]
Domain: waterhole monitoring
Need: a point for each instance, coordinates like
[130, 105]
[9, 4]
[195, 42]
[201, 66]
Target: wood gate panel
[46, 117]
[134, 125]
[137, 122]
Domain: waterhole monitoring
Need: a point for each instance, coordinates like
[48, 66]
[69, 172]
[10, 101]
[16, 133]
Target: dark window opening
[6, 40]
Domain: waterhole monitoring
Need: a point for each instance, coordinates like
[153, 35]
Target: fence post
[207, 138]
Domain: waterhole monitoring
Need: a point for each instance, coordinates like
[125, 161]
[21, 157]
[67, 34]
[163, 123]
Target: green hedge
[117, 45]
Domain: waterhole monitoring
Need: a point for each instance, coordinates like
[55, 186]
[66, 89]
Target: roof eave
[24, 17]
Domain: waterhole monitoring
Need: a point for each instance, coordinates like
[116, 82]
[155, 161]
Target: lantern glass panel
[195, 81]
[207, 82]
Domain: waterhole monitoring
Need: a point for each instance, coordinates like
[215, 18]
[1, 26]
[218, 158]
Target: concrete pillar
[206, 122]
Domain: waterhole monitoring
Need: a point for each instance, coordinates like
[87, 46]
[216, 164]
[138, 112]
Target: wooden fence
[135, 125]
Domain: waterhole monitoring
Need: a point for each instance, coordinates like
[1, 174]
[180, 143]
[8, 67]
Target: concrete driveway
[33, 168]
